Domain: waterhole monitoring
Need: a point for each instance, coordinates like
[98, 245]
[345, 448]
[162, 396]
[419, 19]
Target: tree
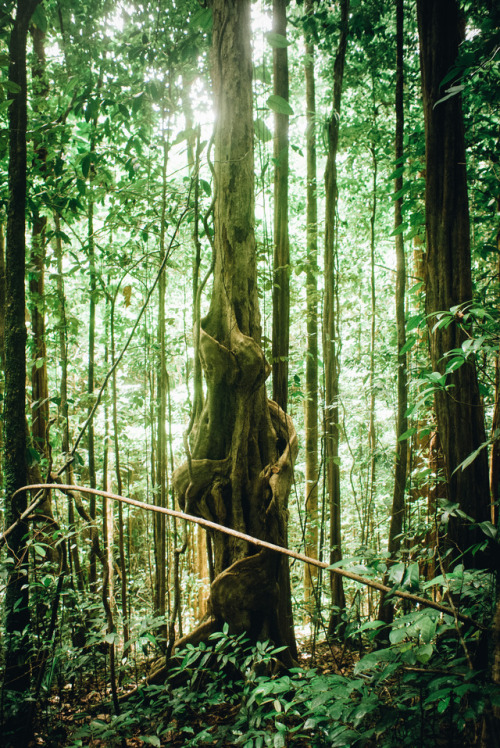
[331, 324]
[386, 610]
[459, 412]
[281, 287]
[311, 401]
[17, 617]
[240, 469]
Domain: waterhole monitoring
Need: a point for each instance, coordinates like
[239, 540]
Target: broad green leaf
[397, 172]
[85, 164]
[279, 105]
[424, 654]
[277, 41]
[489, 530]
[11, 86]
[262, 131]
[151, 740]
[470, 459]
[411, 576]
[203, 19]
[412, 339]
[407, 434]
[39, 19]
[452, 91]
[414, 322]
[400, 229]
[397, 635]
[427, 628]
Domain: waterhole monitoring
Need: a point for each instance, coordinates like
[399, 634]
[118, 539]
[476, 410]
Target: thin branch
[263, 544]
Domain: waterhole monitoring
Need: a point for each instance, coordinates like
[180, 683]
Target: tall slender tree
[311, 401]
[331, 324]
[17, 618]
[39, 381]
[386, 610]
[281, 270]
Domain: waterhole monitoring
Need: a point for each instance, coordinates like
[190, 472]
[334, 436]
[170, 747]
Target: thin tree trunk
[311, 401]
[63, 406]
[372, 435]
[39, 382]
[281, 262]
[495, 425]
[161, 470]
[386, 609]
[91, 355]
[331, 326]
[118, 472]
[17, 617]
[2, 336]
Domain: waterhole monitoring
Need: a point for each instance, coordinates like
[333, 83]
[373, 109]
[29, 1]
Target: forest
[249, 373]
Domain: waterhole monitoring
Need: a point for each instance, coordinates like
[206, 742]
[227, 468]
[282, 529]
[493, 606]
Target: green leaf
[203, 19]
[262, 131]
[207, 189]
[39, 19]
[412, 339]
[400, 229]
[151, 740]
[411, 577]
[424, 654]
[397, 172]
[11, 86]
[489, 530]
[278, 41]
[452, 91]
[397, 635]
[468, 460]
[39, 550]
[414, 322]
[407, 434]
[279, 105]
[427, 628]
[85, 164]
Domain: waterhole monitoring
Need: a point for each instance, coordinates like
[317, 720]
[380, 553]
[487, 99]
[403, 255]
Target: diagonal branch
[261, 544]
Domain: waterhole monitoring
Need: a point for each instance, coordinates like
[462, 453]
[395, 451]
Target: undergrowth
[419, 690]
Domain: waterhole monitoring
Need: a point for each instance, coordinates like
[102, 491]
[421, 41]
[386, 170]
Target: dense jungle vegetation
[250, 373]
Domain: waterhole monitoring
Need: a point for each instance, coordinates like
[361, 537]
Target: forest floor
[69, 721]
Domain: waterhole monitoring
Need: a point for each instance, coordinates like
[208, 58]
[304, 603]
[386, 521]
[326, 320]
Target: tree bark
[448, 279]
[311, 401]
[386, 609]
[17, 617]
[240, 469]
[330, 326]
[39, 382]
[281, 262]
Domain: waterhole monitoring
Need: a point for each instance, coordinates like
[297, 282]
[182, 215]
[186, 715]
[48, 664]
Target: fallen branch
[262, 544]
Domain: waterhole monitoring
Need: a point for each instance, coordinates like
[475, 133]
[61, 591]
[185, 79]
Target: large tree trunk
[330, 328]
[17, 618]
[240, 469]
[448, 272]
